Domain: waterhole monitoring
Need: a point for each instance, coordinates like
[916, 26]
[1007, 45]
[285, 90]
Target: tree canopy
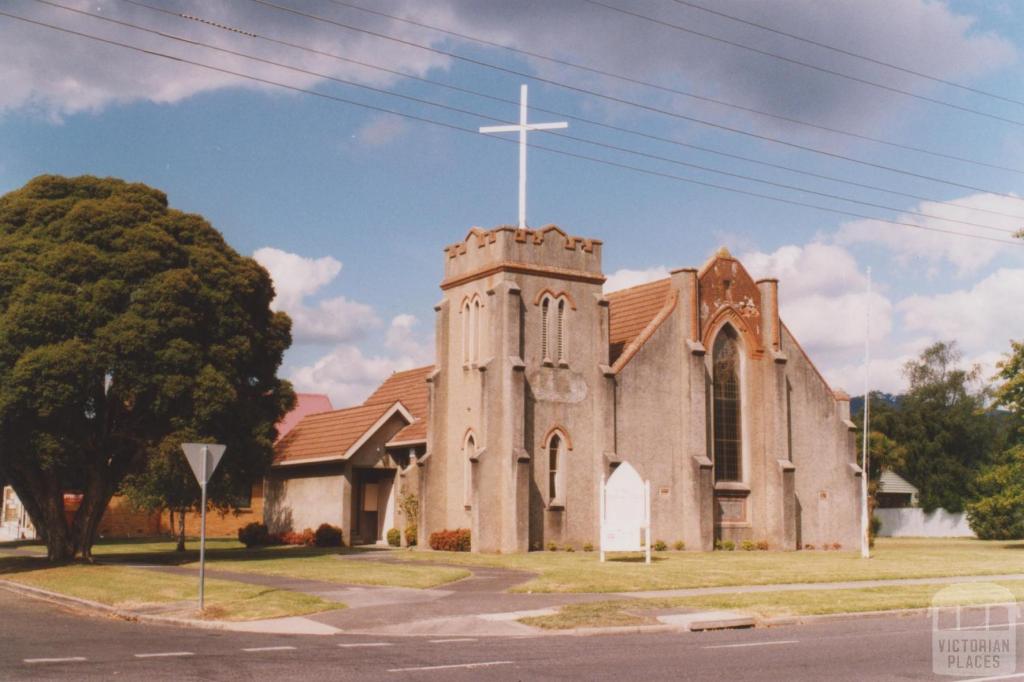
[126, 327]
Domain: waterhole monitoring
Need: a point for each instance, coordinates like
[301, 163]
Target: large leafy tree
[126, 327]
[941, 432]
[997, 512]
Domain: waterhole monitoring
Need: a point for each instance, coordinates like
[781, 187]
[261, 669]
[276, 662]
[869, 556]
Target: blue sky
[350, 208]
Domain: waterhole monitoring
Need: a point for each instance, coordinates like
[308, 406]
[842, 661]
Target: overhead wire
[675, 91]
[631, 131]
[474, 132]
[460, 110]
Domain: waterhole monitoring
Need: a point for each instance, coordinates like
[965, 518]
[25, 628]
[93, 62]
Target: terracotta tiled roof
[331, 434]
[413, 433]
[305, 403]
[631, 310]
[328, 434]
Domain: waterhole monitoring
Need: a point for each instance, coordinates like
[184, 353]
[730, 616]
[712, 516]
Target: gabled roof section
[408, 387]
[631, 310]
[891, 482]
[413, 434]
[329, 435]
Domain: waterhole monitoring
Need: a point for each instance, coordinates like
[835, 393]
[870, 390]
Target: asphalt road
[35, 636]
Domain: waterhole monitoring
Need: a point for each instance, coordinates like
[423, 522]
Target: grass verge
[893, 558]
[169, 595]
[770, 604]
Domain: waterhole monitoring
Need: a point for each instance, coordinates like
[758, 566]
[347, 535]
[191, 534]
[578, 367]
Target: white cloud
[625, 278]
[62, 74]
[980, 318]
[381, 131]
[822, 297]
[347, 375]
[402, 338]
[910, 245]
[297, 278]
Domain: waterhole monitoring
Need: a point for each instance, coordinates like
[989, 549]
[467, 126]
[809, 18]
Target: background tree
[125, 325]
[997, 511]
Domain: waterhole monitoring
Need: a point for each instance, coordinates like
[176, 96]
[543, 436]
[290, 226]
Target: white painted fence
[912, 522]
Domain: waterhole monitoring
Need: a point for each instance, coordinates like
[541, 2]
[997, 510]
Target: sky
[337, 146]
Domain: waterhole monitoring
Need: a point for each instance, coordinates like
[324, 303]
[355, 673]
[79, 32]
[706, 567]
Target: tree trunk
[181, 531]
[95, 499]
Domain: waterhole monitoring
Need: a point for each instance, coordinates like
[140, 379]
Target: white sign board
[626, 512]
[195, 452]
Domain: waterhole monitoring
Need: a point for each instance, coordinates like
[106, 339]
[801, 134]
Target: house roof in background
[305, 403]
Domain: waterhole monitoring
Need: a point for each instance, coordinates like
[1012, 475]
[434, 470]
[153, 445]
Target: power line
[473, 132]
[804, 64]
[251, 33]
[848, 53]
[675, 91]
[638, 105]
[459, 110]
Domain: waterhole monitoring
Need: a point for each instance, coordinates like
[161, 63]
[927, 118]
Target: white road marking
[165, 654]
[69, 659]
[734, 646]
[270, 648]
[456, 639]
[360, 644]
[484, 664]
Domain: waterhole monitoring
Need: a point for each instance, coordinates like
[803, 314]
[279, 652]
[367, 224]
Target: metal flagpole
[202, 531]
[865, 541]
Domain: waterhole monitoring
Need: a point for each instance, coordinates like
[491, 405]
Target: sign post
[203, 458]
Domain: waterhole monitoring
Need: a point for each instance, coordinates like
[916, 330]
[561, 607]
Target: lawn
[892, 558]
[768, 604]
[174, 595]
[334, 565]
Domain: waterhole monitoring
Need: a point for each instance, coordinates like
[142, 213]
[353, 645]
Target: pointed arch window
[468, 456]
[556, 469]
[727, 406]
[554, 337]
[472, 335]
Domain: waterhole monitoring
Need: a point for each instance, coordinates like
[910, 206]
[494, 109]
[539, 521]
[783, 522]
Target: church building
[543, 384]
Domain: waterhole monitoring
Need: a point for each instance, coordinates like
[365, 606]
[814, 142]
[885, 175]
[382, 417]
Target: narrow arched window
[556, 470]
[477, 330]
[728, 444]
[467, 471]
[465, 332]
[560, 331]
[545, 311]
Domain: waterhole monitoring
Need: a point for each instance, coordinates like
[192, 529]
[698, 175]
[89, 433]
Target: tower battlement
[483, 252]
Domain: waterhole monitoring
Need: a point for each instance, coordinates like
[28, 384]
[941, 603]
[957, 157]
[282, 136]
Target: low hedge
[450, 540]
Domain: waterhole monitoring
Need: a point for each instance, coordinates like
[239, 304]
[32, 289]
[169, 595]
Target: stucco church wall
[823, 450]
[304, 496]
[652, 395]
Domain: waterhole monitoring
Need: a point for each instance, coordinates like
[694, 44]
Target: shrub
[997, 512]
[457, 540]
[679, 546]
[395, 537]
[410, 535]
[762, 545]
[659, 546]
[748, 545]
[552, 547]
[836, 546]
[327, 536]
[570, 548]
[254, 534]
[808, 546]
[306, 538]
[728, 545]
[588, 547]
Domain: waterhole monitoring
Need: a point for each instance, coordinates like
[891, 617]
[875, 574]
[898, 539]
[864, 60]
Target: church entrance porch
[373, 505]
